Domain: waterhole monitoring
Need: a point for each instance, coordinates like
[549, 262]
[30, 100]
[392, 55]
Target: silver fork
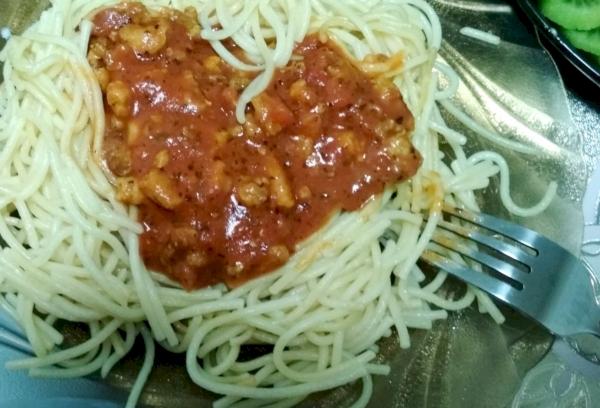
[528, 271]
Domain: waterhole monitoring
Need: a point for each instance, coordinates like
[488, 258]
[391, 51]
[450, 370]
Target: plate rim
[553, 35]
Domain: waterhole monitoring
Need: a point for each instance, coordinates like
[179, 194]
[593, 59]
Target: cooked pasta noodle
[71, 249]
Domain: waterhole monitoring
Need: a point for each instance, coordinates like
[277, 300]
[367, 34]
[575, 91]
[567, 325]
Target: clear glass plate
[467, 360]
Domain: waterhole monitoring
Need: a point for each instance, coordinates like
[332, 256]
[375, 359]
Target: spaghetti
[72, 250]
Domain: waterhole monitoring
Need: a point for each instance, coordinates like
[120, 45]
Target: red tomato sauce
[225, 202]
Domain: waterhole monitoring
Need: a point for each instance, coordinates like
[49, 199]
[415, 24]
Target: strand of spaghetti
[205, 308]
[116, 342]
[173, 297]
[486, 303]
[261, 82]
[32, 70]
[450, 135]
[470, 176]
[218, 337]
[283, 45]
[45, 206]
[30, 231]
[265, 324]
[26, 86]
[242, 36]
[373, 231]
[374, 329]
[480, 130]
[60, 175]
[25, 315]
[87, 357]
[224, 319]
[63, 44]
[146, 290]
[207, 382]
[77, 371]
[320, 340]
[367, 323]
[49, 332]
[227, 362]
[89, 204]
[231, 26]
[347, 11]
[447, 304]
[144, 373]
[367, 340]
[86, 295]
[505, 186]
[51, 244]
[374, 285]
[293, 8]
[57, 357]
[423, 320]
[13, 274]
[365, 395]
[422, 139]
[424, 239]
[185, 335]
[399, 323]
[58, 307]
[303, 20]
[108, 283]
[130, 335]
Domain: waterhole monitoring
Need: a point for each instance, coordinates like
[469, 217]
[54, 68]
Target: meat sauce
[225, 202]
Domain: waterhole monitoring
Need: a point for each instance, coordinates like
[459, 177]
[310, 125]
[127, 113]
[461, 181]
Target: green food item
[586, 40]
[573, 14]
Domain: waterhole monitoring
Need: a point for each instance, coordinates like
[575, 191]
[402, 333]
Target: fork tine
[508, 250]
[516, 232]
[499, 266]
[493, 286]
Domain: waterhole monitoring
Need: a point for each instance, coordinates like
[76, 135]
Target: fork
[528, 271]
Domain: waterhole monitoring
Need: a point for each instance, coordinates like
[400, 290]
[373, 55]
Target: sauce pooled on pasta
[224, 202]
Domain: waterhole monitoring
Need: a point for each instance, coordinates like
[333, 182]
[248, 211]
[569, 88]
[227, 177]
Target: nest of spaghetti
[231, 174]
